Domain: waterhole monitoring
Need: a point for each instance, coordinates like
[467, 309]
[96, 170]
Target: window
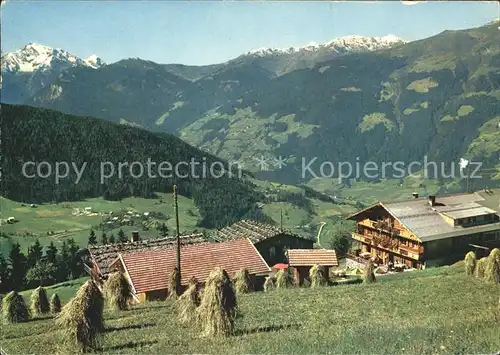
[272, 252]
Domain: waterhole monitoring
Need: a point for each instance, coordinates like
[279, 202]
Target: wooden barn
[272, 242]
[97, 259]
[428, 231]
[301, 260]
[149, 271]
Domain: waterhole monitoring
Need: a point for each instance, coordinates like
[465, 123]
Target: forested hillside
[438, 97]
[41, 135]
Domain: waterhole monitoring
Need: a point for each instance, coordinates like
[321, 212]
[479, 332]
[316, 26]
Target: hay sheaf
[117, 291]
[480, 267]
[269, 283]
[173, 284]
[283, 279]
[39, 302]
[492, 267]
[217, 310]
[55, 304]
[470, 263]
[317, 276]
[82, 317]
[368, 272]
[14, 308]
[189, 301]
[243, 282]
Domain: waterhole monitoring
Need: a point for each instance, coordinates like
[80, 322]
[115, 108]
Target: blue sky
[213, 32]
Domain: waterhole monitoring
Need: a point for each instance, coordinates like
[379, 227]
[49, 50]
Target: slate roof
[311, 257]
[426, 222]
[103, 255]
[255, 231]
[151, 270]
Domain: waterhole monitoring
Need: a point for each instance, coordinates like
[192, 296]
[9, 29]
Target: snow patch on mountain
[38, 57]
[340, 45]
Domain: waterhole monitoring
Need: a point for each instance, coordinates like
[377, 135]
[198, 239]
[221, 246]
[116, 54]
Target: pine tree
[35, 253]
[104, 239]
[92, 238]
[17, 262]
[112, 239]
[4, 275]
[75, 262]
[51, 254]
[122, 238]
[63, 263]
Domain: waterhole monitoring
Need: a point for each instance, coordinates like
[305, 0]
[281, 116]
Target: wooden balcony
[389, 230]
[410, 252]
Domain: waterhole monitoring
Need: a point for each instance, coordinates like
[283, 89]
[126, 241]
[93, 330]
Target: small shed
[301, 261]
[271, 241]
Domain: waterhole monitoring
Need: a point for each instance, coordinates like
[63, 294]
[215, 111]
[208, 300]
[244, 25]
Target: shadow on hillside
[131, 326]
[267, 329]
[129, 345]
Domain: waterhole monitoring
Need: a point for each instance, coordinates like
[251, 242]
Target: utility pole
[178, 236]
[281, 219]
[468, 177]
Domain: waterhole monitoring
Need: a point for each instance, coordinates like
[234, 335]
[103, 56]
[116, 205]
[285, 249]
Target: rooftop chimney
[415, 195]
[432, 200]
[135, 237]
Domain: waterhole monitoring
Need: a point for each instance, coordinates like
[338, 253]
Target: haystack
[317, 276]
[242, 281]
[269, 283]
[480, 267]
[189, 301]
[470, 263]
[283, 279]
[14, 308]
[55, 304]
[492, 268]
[39, 302]
[117, 291]
[82, 317]
[368, 272]
[173, 283]
[217, 310]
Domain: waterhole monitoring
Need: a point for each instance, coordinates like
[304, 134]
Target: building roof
[427, 222]
[103, 255]
[151, 270]
[255, 231]
[310, 257]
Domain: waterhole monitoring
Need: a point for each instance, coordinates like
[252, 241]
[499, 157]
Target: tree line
[39, 266]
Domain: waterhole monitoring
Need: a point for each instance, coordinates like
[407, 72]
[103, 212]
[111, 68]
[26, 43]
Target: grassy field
[65, 290]
[436, 311]
[56, 222]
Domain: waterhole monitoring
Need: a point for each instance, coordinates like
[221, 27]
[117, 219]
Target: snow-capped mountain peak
[94, 61]
[354, 43]
[36, 57]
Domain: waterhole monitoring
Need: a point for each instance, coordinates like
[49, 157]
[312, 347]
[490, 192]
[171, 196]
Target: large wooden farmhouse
[272, 242]
[149, 271]
[426, 231]
[97, 259]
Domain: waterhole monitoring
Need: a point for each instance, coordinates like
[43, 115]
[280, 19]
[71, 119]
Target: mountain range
[352, 99]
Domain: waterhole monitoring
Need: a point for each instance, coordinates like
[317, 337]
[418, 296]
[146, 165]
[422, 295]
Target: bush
[55, 304]
[317, 276]
[39, 302]
[82, 317]
[117, 291]
[14, 309]
[470, 263]
[217, 310]
[492, 268]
